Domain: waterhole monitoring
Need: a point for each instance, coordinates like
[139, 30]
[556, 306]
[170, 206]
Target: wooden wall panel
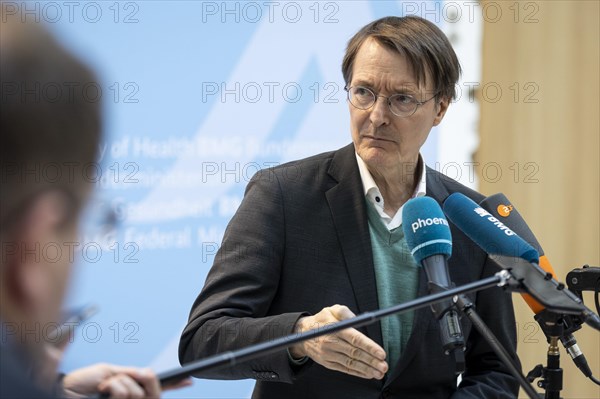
[549, 131]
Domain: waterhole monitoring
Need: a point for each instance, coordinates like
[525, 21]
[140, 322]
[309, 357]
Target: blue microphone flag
[485, 230]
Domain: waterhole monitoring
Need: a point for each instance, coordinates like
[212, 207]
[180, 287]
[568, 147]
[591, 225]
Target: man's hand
[118, 381]
[347, 351]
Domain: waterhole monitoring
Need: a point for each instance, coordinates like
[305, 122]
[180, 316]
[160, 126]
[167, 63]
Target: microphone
[502, 209]
[430, 242]
[505, 247]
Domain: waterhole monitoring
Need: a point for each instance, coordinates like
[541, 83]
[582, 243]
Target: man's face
[382, 139]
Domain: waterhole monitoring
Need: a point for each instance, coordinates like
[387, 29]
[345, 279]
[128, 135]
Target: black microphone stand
[557, 327]
[502, 279]
[554, 327]
[467, 308]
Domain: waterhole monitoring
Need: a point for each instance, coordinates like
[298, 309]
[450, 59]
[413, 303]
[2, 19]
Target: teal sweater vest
[397, 277]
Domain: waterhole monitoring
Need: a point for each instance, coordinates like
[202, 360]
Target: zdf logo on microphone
[504, 210]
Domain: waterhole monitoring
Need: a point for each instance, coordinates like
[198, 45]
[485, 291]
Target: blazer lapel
[423, 317]
[348, 208]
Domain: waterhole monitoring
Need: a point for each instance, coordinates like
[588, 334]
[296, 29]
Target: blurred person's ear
[37, 266]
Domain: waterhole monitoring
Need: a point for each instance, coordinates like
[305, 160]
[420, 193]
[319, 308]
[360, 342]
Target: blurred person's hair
[49, 129]
[424, 45]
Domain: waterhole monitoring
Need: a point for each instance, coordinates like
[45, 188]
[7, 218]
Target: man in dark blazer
[300, 251]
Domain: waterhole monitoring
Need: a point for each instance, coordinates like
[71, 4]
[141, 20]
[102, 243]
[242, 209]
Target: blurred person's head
[49, 136]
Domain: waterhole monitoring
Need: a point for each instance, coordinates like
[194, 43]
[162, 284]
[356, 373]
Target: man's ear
[27, 258]
[441, 106]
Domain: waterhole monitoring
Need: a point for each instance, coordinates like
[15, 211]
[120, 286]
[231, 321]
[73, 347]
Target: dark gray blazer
[300, 242]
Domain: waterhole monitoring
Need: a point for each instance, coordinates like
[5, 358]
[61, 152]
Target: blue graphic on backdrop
[198, 97]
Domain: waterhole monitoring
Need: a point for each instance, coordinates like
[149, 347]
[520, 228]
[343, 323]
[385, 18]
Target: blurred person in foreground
[58, 135]
[319, 240]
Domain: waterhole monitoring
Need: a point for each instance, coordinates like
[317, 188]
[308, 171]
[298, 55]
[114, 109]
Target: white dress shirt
[373, 194]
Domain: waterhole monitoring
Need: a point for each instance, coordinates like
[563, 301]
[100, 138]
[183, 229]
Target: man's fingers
[354, 358]
[341, 312]
[367, 358]
[348, 351]
[122, 386]
[131, 382]
[358, 367]
[361, 341]
[113, 369]
[134, 390]
[148, 380]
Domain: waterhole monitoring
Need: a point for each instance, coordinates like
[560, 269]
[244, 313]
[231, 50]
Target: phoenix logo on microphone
[483, 213]
[427, 222]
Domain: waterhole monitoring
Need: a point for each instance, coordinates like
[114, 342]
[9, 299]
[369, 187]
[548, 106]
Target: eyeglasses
[401, 105]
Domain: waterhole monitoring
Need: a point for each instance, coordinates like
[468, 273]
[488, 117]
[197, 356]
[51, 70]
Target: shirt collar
[373, 195]
[370, 186]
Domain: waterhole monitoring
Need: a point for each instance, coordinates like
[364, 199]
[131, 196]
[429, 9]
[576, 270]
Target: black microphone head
[503, 210]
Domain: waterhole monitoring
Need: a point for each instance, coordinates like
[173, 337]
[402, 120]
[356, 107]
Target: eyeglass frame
[389, 103]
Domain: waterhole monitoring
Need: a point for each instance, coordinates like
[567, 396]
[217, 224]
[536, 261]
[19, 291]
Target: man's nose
[380, 112]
